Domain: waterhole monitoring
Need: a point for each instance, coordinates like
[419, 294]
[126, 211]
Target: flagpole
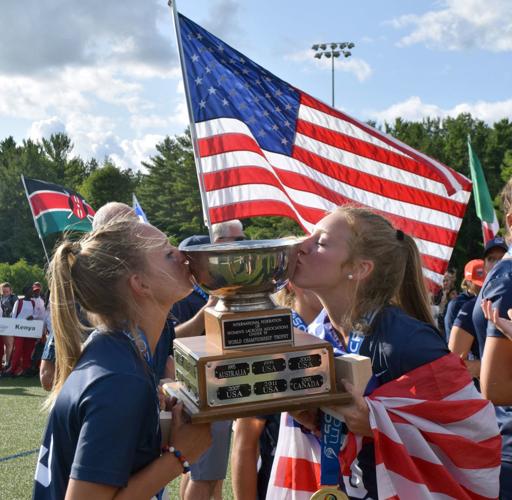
[197, 157]
[34, 218]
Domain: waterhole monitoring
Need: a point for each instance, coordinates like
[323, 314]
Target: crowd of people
[21, 356]
[120, 295]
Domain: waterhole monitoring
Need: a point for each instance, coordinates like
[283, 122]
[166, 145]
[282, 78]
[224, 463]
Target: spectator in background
[494, 251]
[47, 366]
[7, 300]
[474, 275]
[21, 359]
[443, 296]
[205, 478]
[40, 309]
[231, 230]
[462, 337]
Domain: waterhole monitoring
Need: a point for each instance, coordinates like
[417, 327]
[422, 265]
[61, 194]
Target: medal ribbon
[333, 430]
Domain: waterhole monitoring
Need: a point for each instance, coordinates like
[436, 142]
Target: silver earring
[350, 277]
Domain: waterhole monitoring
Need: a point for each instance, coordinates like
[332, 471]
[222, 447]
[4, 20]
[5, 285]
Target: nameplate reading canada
[266, 330]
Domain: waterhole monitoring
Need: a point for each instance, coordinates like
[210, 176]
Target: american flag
[267, 148]
[434, 436]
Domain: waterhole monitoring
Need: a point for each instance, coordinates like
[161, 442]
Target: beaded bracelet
[177, 453]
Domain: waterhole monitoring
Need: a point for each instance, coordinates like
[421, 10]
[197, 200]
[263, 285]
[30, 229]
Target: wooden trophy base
[216, 384]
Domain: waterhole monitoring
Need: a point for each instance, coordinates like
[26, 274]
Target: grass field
[21, 427]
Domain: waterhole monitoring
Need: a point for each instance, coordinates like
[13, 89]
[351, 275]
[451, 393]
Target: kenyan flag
[56, 208]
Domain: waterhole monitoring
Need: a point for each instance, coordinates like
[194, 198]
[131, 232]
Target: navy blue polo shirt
[464, 320]
[452, 310]
[498, 289]
[104, 426]
[188, 307]
[163, 349]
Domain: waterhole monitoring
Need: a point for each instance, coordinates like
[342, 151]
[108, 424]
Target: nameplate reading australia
[257, 331]
[232, 370]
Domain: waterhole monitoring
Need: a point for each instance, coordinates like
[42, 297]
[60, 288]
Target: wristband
[177, 453]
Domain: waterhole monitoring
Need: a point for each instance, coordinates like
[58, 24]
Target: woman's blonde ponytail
[66, 325]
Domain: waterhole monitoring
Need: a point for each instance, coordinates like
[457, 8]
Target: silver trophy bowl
[243, 274]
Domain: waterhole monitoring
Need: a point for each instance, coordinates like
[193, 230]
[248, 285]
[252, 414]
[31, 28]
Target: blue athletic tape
[18, 455]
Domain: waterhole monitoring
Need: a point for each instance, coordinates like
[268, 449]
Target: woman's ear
[138, 286]
[508, 220]
[363, 269]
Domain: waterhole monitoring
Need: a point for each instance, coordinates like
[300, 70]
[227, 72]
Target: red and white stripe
[335, 160]
[490, 229]
[435, 438]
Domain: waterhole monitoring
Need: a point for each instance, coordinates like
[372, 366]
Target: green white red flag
[483, 202]
[56, 208]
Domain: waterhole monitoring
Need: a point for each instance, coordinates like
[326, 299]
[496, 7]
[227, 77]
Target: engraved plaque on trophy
[250, 361]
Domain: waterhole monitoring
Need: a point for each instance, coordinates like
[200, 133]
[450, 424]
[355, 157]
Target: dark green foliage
[169, 193]
[21, 274]
[108, 183]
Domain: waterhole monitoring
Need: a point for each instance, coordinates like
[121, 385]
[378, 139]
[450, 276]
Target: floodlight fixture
[336, 50]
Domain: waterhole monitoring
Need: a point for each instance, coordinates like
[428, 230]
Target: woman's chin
[298, 280]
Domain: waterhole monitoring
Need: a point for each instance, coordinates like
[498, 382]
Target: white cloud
[45, 128]
[461, 24]
[223, 20]
[413, 109]
[360, 68]
[56, 34]
[180, 115]
[143, 122]
[134, 152]
[68, 89]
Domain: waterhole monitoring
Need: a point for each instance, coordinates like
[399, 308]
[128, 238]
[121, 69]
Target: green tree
[108, 183]
[21, 274]
[261, 228]
[169, 193]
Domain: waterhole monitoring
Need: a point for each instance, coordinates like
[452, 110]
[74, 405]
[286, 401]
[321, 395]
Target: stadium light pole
[332, 50]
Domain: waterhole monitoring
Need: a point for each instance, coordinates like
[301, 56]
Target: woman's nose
[305, 246]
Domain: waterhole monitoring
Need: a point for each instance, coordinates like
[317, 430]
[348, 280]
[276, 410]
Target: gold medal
[329, 493]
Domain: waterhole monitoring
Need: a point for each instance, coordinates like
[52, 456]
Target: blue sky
[107, 72]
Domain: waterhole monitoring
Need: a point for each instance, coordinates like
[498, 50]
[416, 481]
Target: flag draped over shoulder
[434, 436]
[56, 208]
[483, 202]
[267, 148]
